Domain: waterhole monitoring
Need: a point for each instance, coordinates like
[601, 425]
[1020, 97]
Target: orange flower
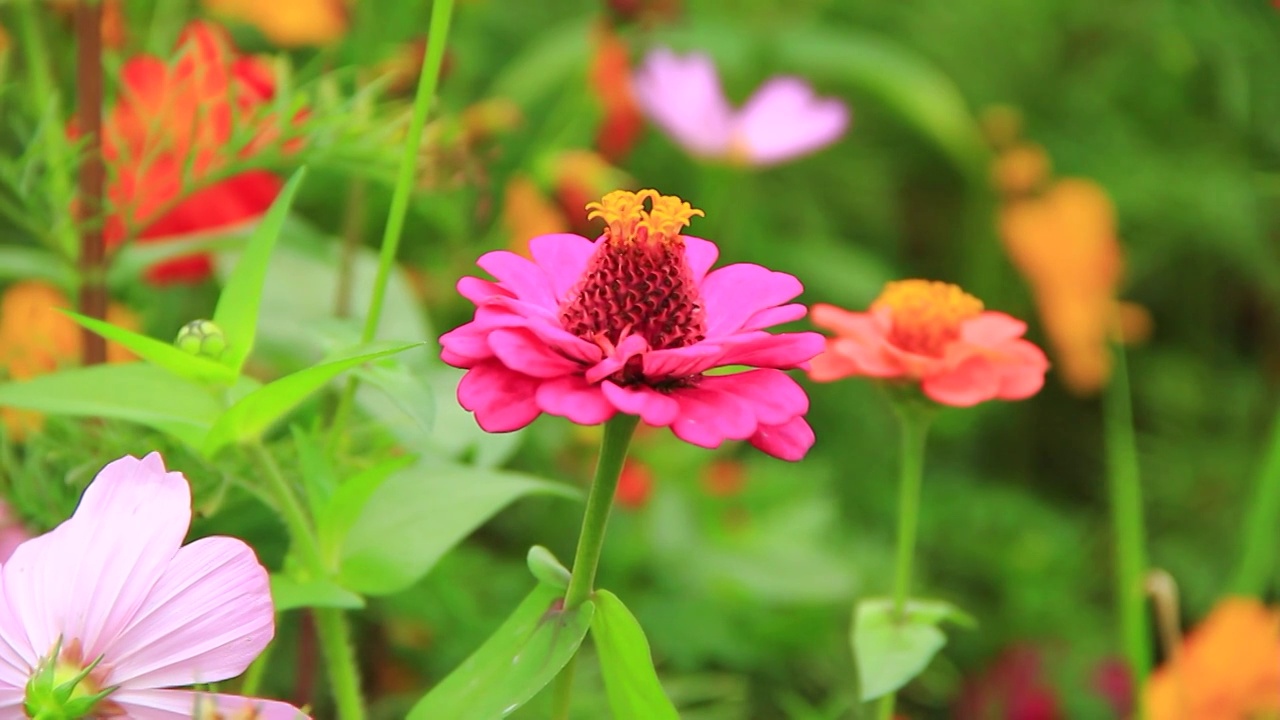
[35, 339]
[635, 482]
[577, 177]
[935, 334]
[178, 118]
[1228, 668]
[527, 213]
[611, 80]
[290, 23]
[724, 478]
[1064, 243]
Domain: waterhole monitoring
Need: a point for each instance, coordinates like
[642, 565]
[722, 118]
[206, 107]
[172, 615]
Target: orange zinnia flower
[935, 334]
[168, 136]
[292, 23]
[1228, 668]
[35, 339]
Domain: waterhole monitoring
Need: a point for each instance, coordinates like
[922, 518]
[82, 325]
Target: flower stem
[1126, 518]
[613, 452]
[914, 422]
[438, 32]
[1257, 565]
[93, 177]
[331, 626]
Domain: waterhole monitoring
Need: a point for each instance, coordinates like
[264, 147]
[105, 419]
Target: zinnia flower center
[638, 282]
[926, 314]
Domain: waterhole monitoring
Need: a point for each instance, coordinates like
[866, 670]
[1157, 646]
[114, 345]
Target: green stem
[1258, 557]
[331, 626]
[914, 422]
[613, 452]
[438, 32]
[1126, 518]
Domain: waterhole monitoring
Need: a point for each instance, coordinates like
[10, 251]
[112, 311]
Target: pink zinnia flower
[783, 120]
[114, 585]
[937, 335]
[634, 322]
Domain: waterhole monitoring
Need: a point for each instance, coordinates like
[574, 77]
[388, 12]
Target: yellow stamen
[926, 314]
[625, 214]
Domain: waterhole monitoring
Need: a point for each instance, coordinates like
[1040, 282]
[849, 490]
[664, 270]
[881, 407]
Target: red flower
[635, 483]
[938, 335]
[169, 132]
[611, 81]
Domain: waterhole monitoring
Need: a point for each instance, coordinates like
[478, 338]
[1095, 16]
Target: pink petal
[784, 120]
[830, 365]
[563, 257]
[973, 381]
[762, 349]
[1022, 374]
[734, 293]
[205, 621]
[991, 328]
[681, 362]
[683, 97]
[183, 704]
[87, 578]
[789, 441]
[874, 358]
[709, 416]
[565, 342]
[521, 276]
[11, 699]
[843, 322]
[701, 255]
[502, 399]
[774, 398]
[573, 398]
[653, 407]
[17, 656]
[522, 351]
[775, 316]
[478, 291]
[630, 346]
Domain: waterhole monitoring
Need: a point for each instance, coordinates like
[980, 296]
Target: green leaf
[905, 81]
[890, 651]
[342, 510]
[518, 660]
[629, 679]
[421, 512]
[24, 263]
[547, 568]
[253, 414]
[319, 480]
[288, 593]
[406, 389]
[161, 354]
[137, 392]
[237, 311]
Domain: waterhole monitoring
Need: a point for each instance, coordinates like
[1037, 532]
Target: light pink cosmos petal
[17, 657]
[762, 349]
[681, 362]
[775, 316]
[683, 97]
[478, 291]
[652, 406]
[1022, 371]
[991, 328]
[86, 579]
[205, 621]
[520, 276]
[709, 416]
[701, 255]
[774, 397]
[784, 120]
[502, 399]
[563, 257]
[183, 704]
[11, 700]
[734, 293]
[524, 352]
[789, 441]
[973, 381]
[573, 398]
[630, 346]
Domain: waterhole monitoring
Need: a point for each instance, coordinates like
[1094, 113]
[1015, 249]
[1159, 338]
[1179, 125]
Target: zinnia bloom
[935, 334]
[170, 131]
[783, 120]
[1228, 668]
[114, 585]
[635, 322]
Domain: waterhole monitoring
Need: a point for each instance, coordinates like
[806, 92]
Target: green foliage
[892, 648]
[629, 678]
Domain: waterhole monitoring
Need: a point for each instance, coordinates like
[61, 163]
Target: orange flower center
[926, 314]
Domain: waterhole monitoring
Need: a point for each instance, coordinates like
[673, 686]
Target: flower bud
[59, 690]
[202, 337]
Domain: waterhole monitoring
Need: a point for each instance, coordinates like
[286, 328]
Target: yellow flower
[1228, 668]
[288, 23]
[35, 339]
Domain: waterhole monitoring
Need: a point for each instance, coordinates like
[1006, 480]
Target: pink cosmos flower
[114, 584]
[783, 120]
[635, 322]
[937, 335]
